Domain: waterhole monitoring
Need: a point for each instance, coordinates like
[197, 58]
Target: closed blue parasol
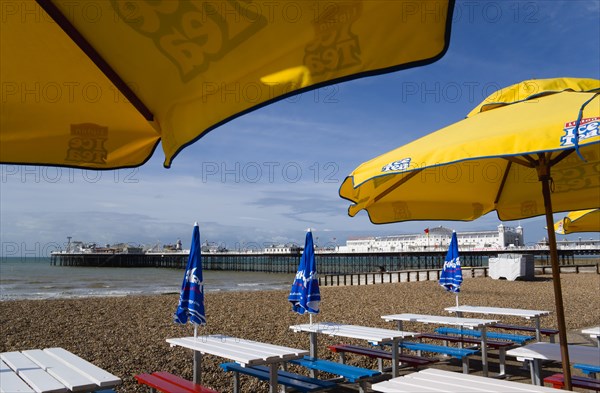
[451, 276]
[191, 300]
[305, 295]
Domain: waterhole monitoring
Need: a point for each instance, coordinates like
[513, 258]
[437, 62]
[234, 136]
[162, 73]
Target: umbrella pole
[558, 300]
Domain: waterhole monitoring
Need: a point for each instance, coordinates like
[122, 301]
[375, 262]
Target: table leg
[395, 344]
[197, 367]
[535, 363]
[283, 388]
[538, 335]
[484, 360]
[236, 382]
[313, 344]
[531, 369]
[273, 377]
[313, 351]
[400, 325]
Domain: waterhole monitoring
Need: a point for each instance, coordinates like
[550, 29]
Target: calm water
[35, 278]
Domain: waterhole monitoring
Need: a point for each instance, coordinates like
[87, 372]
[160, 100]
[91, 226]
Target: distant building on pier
[433, 239]
[283, 249]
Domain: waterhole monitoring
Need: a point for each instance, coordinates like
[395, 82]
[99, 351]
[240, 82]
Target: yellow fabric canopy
[98, 84]
[473, 167]
[579, 221]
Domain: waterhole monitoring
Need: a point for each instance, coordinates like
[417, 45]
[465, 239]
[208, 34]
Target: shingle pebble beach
[126, 335]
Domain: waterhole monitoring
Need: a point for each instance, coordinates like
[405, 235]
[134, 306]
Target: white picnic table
[517, 312]
[51, 370]
[373, 335]
[593, 332]
[539, 351]
[241, 351]
[469, 323]
[435, 380]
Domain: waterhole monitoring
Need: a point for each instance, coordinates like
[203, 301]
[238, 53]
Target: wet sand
[126, 335]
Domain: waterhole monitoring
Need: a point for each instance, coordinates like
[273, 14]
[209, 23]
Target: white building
[283, 249]
[438, 238]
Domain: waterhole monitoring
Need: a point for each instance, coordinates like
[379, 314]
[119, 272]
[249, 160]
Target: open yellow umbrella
[579, 221]
[527, 150]
[97, 84]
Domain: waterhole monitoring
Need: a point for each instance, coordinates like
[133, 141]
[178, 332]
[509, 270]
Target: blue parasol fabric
[305, 295]
[191, 300]
[451, 276]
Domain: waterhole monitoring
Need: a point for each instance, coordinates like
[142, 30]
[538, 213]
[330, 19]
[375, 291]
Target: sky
[265, 177]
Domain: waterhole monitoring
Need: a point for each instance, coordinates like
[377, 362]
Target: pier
[328, 262]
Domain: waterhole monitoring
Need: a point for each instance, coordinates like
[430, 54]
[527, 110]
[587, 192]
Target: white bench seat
[97, 375]
[10, 381]
[59, 370]
[32, 374]
[434, 380]
[242, 351]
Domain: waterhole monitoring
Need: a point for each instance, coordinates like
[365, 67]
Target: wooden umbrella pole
[558, 300]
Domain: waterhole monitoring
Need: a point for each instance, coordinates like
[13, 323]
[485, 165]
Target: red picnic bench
[168, 383]
[558, 382]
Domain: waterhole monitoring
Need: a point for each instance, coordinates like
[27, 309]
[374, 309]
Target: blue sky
[267, 176]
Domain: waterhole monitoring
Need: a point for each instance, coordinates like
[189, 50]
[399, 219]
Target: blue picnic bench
[516, 338]
[286, 378]
[500, 346]
[545, 332]
[380, 354]
[588, 369]
[458, 353]
[350, 373]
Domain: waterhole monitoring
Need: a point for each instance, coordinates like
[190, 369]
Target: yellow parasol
[97, 84]
[579, 221]
[528, 150]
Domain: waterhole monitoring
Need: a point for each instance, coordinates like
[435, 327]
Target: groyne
[381, 277]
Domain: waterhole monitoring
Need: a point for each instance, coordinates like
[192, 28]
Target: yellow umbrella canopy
[527, 150]
[579, 221]
[98, 84]
[491, 160]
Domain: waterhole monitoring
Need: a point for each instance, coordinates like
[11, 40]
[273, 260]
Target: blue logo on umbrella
[451, 276]
[191, 300]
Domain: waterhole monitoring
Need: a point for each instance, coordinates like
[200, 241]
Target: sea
[35, 278]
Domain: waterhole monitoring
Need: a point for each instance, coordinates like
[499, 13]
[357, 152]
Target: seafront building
[432, 240]
[438, 238]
